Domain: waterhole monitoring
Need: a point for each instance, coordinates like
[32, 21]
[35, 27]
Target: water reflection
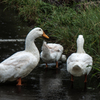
[41, 83]
[44, 84]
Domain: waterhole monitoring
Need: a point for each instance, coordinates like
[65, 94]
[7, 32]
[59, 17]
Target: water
[41, 83]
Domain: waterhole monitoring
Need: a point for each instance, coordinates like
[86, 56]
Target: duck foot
[19, 82]
[46, 65]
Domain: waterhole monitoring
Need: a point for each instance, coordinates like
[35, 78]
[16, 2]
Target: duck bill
[44, 35]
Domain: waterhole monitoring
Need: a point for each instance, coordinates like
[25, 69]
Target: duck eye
[39, 29]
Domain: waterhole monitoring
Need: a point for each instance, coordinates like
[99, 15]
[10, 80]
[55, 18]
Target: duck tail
[63, 58]
[45, 48]
[77, 68]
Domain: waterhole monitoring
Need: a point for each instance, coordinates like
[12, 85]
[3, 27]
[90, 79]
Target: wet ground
[41, 83]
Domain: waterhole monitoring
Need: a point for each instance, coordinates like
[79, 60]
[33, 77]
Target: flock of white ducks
[22, 63]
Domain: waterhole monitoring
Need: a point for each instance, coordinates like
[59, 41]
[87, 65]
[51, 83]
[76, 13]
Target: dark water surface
[41, 83]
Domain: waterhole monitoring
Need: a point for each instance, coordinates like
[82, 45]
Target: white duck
[52, 52]
[78, 63]
[22, 63]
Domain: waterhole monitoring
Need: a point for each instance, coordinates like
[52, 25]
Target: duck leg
[85, 78]
[72, 78]
[85, 82]
[46, 65]
[56, 64]
[72, 81]
[19, 82]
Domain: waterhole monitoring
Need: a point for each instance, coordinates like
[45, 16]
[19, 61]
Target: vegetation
[64, 24]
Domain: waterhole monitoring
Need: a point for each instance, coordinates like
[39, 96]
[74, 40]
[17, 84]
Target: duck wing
[17, 65]
[55, 47]
[80, 57]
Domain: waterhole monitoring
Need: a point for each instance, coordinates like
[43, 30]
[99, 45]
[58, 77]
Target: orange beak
[44, 35]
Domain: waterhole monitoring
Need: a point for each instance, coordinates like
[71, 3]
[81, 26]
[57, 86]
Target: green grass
[65, 25]
[30, 10]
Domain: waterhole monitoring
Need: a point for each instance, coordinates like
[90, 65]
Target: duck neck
[45, 50]
[31, 47]
[80, 48]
